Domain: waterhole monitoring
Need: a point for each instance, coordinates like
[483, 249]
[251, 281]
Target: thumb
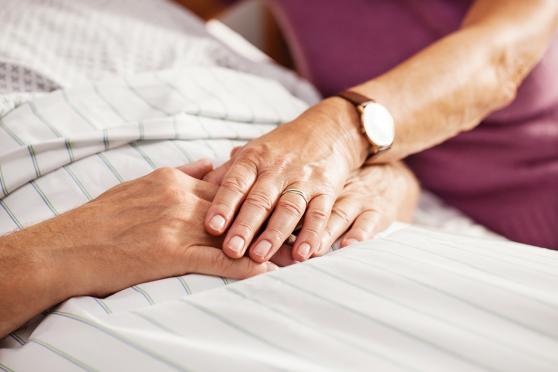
[213, 261]
[197, 169]
[216, 176]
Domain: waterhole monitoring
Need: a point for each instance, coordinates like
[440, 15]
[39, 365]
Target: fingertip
[215, 224]
[234, 247]
[270, 266]
[197, 169]
[302, 252]
[204, 162]
[348, 241]
[261, 250]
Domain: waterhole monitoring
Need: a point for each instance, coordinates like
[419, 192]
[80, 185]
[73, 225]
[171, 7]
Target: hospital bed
[446, 296]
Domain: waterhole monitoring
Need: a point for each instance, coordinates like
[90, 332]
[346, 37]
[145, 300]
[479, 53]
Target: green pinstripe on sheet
[134, 90]
[225, 112]
[175, 89]
[448, 322]
[184, 285]
[337, 337]
[110, 167]
[473, 267]
[2, 182]
[103, 305]
[10, 132]
[108, 103]
[10, 213]
[125, 340]
[78, 182]
[141, 131]
[18, 339]
[68, 145]
[64, 355]
[33, 156]
[34, 110]
[181, 150]
[106, 139]
[382, 323]
[77, 110]
[144, 293]
[45, 198]
[242, 330]
[143, 155]
[261, 95]
[173, 332]
[420, 283]
[252, 117]
[5, 368]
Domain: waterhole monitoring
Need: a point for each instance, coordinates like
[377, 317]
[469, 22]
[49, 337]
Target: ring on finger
[297, 192]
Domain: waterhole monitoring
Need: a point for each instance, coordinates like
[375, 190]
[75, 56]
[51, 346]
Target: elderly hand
[373, 198]
[297, 169]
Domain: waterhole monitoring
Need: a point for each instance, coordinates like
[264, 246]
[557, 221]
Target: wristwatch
[377, 124]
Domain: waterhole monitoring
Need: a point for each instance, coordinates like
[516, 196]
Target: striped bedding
[412, 300]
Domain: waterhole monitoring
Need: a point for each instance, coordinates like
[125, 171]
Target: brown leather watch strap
[355, 98]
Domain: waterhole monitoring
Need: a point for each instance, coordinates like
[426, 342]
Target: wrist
[344, 120]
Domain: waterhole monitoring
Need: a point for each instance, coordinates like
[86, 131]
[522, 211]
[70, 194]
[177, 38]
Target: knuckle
[292, 208]
[260, 200]
[235, 183]
[244, 227]
[250, 159]
[171, 194]
[311, 233]
[318, 215]
[166, 173]
[343, 215]
[275, 235]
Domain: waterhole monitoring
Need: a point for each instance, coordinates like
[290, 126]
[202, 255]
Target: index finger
[234, 187]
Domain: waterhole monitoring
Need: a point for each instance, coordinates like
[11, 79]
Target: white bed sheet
[169, 118]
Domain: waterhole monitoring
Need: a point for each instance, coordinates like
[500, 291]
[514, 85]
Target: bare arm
[452, 85]
[142, 230]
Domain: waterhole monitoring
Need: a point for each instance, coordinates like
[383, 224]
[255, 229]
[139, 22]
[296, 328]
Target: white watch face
[378, 124]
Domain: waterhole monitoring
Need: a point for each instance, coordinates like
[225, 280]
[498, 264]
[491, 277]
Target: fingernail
[350, 242]
[262, 248]
[217, 223]
[270, 266]
[304, 250]
[236, 244]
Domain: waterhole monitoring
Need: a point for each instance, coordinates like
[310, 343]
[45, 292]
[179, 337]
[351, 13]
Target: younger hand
[374, 197]
[146, 229]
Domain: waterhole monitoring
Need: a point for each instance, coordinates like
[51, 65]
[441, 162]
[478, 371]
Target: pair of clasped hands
[233, 221]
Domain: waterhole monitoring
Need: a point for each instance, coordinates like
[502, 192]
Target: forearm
[31, 279]
[452, 85]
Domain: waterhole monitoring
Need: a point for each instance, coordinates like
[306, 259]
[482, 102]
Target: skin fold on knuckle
[292, 208]
[318, 216]
[260, 200]
[235, 183]
[342, 215]
[242, 228]
[275, 236]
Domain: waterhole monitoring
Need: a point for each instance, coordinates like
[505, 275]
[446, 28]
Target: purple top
[504, 173]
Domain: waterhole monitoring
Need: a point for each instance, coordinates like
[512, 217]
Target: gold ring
[297, 192]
